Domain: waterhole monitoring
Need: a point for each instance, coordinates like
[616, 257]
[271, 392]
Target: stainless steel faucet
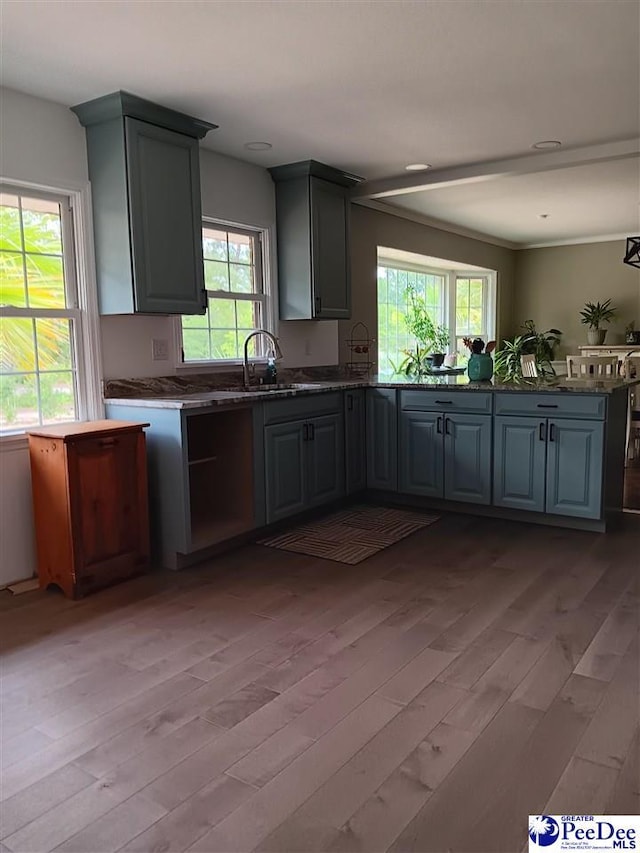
[275, 347]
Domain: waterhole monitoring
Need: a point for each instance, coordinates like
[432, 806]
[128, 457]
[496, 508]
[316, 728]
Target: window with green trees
[39, 315]
[237, 300]
[461, 300]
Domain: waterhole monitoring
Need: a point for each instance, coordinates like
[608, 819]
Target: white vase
[595, 337]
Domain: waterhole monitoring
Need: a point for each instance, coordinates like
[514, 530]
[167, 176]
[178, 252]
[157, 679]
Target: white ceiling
[369, 86]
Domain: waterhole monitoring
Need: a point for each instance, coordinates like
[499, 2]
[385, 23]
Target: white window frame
[80, 281]
[266, 298]
[489, 306]
[450, 276]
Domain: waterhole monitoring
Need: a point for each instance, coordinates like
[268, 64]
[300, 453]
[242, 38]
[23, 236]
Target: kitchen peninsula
[225, 461]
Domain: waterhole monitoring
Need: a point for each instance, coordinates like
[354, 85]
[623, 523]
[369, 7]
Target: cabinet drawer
[446, 401]
[568, 405]
[299, 408]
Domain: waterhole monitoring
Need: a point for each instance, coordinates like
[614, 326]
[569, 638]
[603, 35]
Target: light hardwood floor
[428, 699]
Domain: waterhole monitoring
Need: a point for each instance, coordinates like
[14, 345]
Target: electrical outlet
[160, 349]
[307, 347]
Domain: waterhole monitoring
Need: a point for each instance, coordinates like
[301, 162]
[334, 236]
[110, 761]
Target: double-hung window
[237, 297]
[42, 378]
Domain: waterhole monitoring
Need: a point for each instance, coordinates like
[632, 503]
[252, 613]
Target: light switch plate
[160, 349]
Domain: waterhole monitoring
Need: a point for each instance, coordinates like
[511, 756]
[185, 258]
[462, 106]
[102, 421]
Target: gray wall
[554, 283]
[372, 228]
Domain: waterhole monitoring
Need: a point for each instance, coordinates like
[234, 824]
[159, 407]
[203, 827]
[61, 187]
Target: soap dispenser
[271, 373]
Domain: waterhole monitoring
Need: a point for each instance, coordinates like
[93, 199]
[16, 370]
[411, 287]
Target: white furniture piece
[529, 367]
[631, 370]
[592, 367]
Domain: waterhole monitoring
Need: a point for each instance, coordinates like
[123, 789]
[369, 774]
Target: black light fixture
[632, 255]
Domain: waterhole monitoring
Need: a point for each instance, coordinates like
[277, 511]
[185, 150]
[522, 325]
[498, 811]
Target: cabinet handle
[547, 405]
[108, 442]
[444, 402]
[305, 432]
[552, 432]
[439, 424]
[543, 431]
[349, 402]
[312, 432]
[447, 421]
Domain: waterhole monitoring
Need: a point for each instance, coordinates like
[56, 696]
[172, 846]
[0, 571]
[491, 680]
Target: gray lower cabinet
[382, 439]
[551, 465]
[304, 465]
[421, 454]
[354, 441]
[446, 456]
[519, 467]
[145, 187]
[575, 453]
[467, 458]
[285, 470]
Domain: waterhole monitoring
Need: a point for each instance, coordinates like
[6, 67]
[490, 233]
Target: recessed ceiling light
[258, 146]
[417, 167]
[547, 143]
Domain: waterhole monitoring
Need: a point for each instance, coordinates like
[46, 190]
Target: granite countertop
[151, 396]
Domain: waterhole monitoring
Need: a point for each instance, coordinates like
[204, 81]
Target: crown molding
[576, 241]
[441, 225]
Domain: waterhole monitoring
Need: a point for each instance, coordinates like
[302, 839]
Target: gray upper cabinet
[312, 212]
[145, 184]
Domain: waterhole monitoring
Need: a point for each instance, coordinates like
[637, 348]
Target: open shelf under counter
[221, 503]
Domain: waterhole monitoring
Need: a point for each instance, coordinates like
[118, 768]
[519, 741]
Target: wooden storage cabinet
[89, 483]
[145, 185]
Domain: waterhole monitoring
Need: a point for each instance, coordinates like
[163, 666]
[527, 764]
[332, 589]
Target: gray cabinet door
[421, 455]
[575, 453]
[325, 459]
[382, 439]
[355, 441]
[519, 467]
[165, 219]
[285, 470]
[331, 289]
[467, 458]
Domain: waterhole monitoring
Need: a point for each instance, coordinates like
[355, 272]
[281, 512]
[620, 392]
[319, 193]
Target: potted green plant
[432, 339]
[541, 344]
[593, 315]
[439, 340]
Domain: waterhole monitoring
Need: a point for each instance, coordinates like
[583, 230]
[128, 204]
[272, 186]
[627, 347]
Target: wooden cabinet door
[355, 441]
[285, 470]
[467, 458]
[165, 219]
[421, 454]
[574, 468]
[382, 439]
[107, 487]
[519, 464]
[325, 458]
[330, 274]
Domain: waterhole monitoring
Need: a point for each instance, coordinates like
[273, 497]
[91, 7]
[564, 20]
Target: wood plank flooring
[427, 699]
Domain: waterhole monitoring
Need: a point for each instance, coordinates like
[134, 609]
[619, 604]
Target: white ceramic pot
[595, 337]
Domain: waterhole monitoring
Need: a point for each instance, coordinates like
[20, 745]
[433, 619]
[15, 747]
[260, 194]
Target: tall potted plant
[593, 315]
